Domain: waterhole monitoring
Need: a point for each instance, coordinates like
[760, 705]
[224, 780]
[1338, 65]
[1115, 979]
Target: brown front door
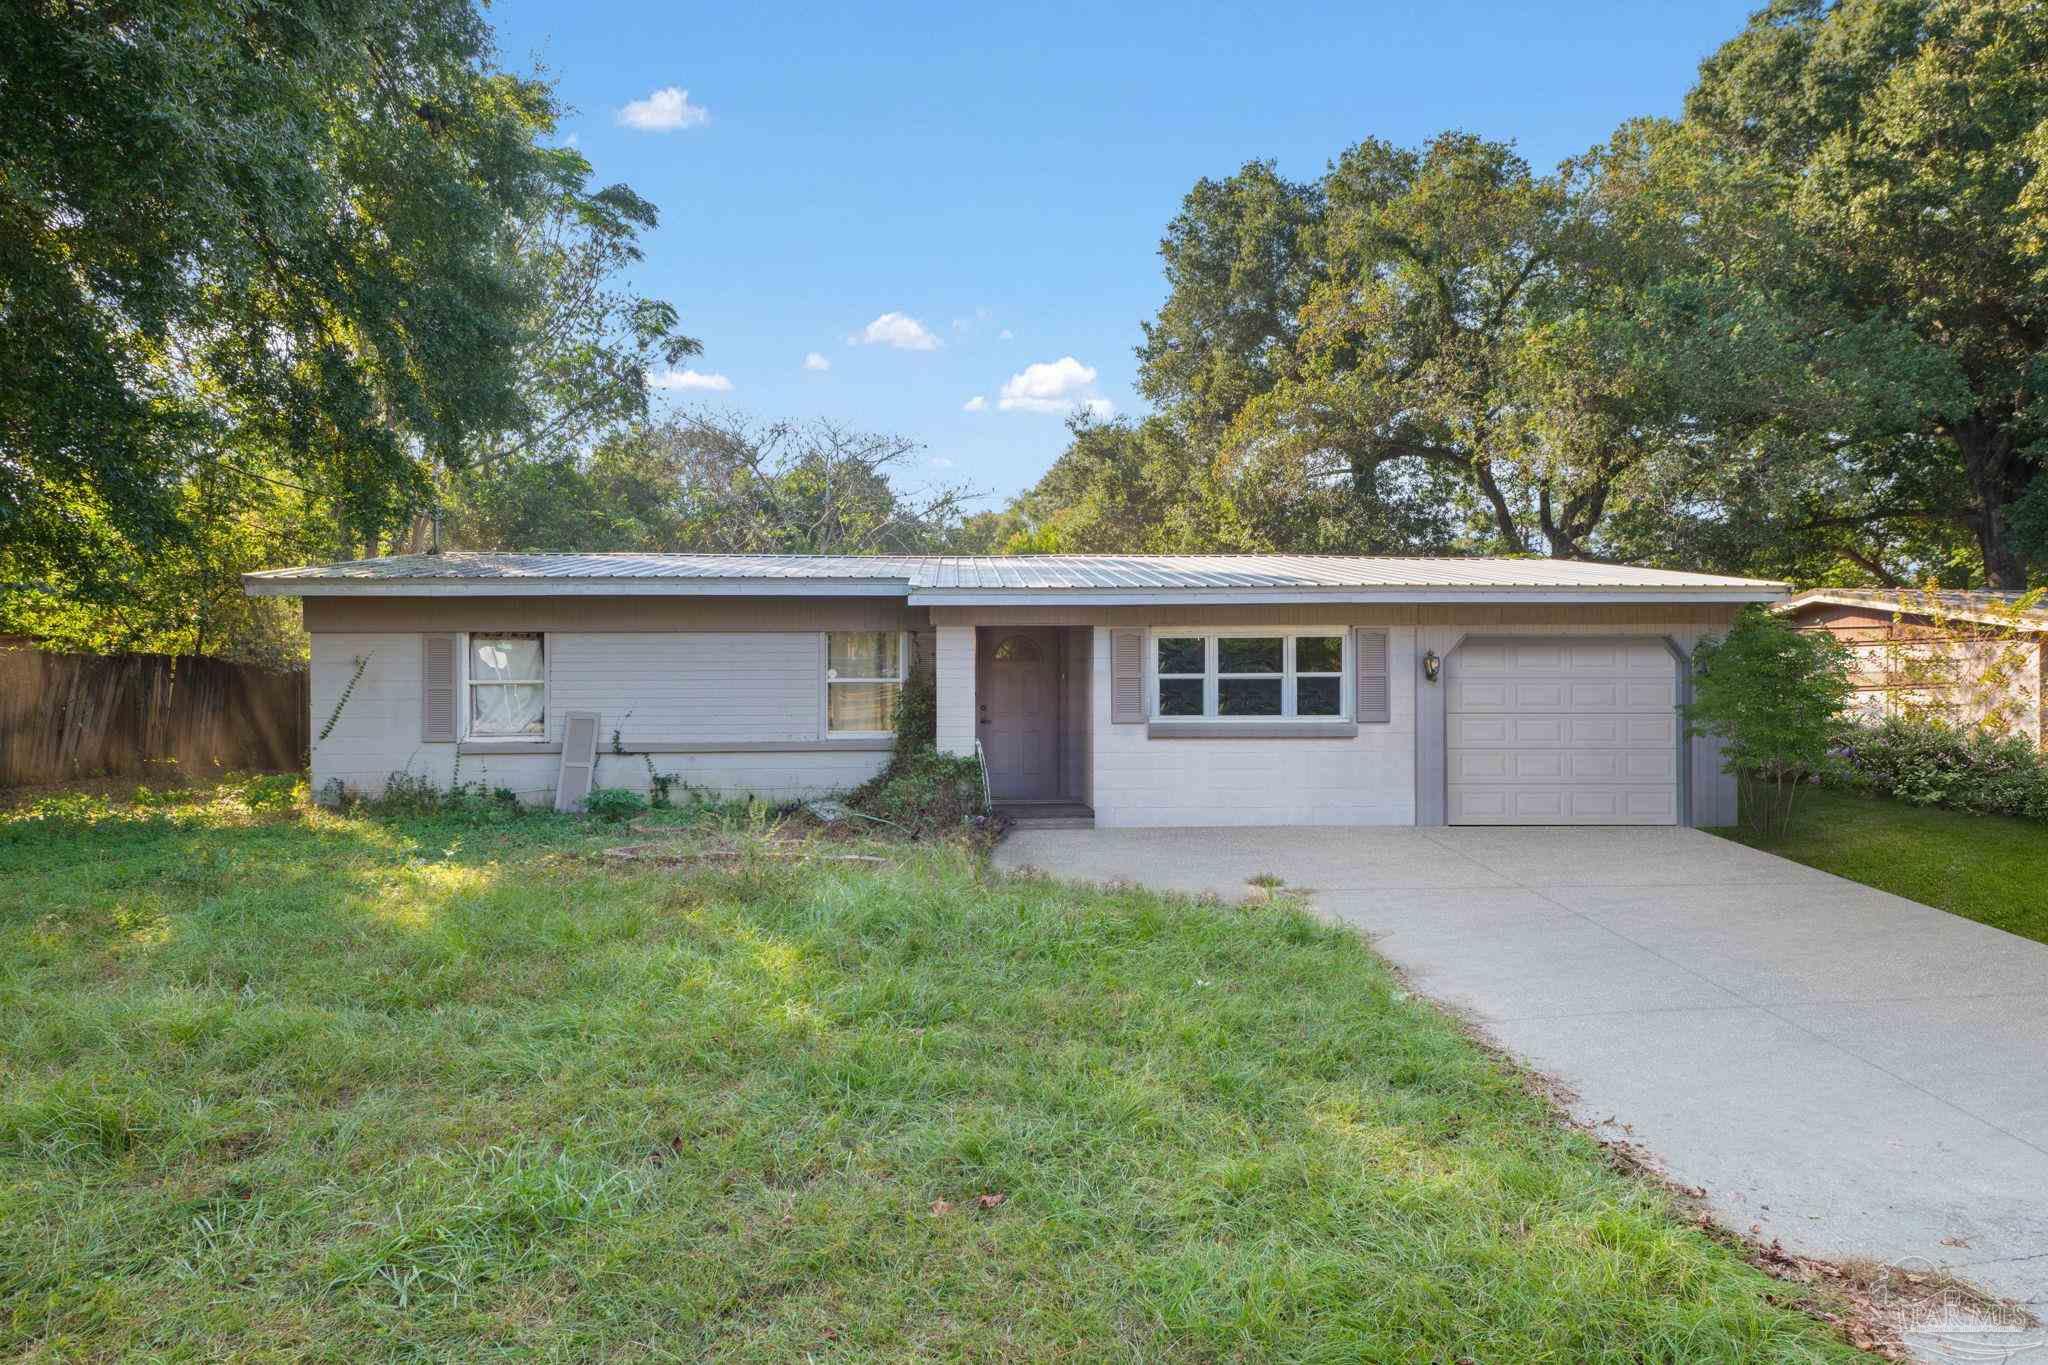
[1018, 682]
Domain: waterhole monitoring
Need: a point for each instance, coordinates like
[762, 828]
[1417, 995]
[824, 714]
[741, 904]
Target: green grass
[1982, 867]
[291, 1084]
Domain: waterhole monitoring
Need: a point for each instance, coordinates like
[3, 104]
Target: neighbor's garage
[1551, 732]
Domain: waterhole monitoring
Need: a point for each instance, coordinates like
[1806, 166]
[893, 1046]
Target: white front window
[1248, 675]
[863, 679]
[508, 685]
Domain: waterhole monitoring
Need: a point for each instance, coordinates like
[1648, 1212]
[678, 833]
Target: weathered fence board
[69, 716]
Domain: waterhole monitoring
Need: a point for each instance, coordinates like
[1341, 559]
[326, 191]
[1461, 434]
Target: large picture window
[508, 686]
[863, 679]
[1282, 675]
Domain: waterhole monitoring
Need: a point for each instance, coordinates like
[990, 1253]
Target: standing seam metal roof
[1025, 572]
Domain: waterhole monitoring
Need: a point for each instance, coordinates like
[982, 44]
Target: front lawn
[1984, 867]
[299, 1084]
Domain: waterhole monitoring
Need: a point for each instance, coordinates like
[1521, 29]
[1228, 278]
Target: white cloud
[664, 111]
[1048, 386]
[814, 361]
[939, 462]
[691, 379]
[1101, 409]
[1006, 335]
[975, 404]
[900, 330]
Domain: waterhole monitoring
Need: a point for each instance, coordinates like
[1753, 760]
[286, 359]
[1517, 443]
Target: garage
[1562, 732]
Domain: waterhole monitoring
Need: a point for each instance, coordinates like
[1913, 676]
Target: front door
[1018, 682]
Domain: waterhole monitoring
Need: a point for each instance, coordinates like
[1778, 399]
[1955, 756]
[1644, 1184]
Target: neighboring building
[1175, 690]
[1971, 658]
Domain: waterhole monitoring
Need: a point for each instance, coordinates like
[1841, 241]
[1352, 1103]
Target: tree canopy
[1796, 331]
[280, 268]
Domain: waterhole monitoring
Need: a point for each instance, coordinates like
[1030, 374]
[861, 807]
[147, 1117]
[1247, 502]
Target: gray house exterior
[1132, 690]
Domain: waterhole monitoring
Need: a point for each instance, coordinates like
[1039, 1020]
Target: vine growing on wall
[362, 662]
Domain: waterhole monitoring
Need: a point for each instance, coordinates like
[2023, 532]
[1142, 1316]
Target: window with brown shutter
[1375, 695]
[438, 655]
[1127, 677]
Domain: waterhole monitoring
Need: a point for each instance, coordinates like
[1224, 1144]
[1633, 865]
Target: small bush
[614, 804]
[1774, 697]
[417, 796]
[1927, 763]
[270, 791]
[927, 794]
[916, 718]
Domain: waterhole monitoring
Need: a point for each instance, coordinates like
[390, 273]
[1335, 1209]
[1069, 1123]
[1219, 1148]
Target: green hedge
[1929, 764]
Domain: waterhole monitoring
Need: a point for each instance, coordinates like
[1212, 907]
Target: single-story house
[1126, 689]
[1972, 658]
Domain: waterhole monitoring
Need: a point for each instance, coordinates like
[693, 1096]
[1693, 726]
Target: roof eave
[259, 585]
[1249, 597]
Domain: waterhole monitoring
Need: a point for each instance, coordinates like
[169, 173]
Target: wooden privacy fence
[68, 716]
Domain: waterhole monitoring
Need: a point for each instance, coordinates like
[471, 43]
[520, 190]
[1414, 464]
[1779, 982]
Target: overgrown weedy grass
[289, 1083]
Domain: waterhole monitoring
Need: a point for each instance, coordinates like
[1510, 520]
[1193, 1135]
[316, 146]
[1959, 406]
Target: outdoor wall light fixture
[1431, 665]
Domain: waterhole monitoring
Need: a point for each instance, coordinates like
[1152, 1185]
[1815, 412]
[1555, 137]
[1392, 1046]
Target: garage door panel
[1562, 766]
[1477, 731]
[1562, 732]
[1499, 805]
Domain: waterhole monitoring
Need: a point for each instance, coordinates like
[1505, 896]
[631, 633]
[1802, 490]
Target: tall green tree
[710, 483]
[1865, 174]
[289, 241]
[1440, 337]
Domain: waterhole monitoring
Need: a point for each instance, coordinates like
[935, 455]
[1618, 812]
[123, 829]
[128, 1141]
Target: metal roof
[1970, 606]
[944, 579]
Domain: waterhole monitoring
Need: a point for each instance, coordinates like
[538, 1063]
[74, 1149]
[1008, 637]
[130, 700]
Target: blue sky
[971, 191]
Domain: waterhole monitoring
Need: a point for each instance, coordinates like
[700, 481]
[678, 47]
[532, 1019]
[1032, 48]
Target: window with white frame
[864, 672]
[508, 685]
[1278, 675]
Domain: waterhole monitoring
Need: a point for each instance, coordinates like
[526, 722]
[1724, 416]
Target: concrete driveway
[1852, 1073]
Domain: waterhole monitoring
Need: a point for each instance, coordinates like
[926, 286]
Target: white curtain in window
[504, 658]
[508, 709]
[861, 654]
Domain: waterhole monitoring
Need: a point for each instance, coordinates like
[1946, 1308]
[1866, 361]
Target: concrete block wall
[1369, 780]
[953, 665]
[676, 686]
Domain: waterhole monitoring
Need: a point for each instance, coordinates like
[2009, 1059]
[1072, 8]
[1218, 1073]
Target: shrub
[916, 717]
[1774, 697]
[1928, 763]
[614, 804]
[927, 795]
[416, 796]
[270, 791]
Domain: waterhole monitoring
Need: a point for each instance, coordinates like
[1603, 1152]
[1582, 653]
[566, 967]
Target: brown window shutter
[1374, 697]
[437, 689]
[579, 759]
[1127, 677]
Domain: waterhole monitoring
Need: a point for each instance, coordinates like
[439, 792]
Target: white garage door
[1563, 733]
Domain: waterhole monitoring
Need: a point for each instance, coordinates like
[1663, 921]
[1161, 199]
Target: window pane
[1251, 654]
[1319, 654]
[861, 654]
[494, 658]
[861, 706]
[1180, 696]
[1248, 697]
[1318, 697]
[1180, 656]
[507, 709]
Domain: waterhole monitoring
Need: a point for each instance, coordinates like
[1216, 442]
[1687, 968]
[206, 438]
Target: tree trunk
[1997, 476]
